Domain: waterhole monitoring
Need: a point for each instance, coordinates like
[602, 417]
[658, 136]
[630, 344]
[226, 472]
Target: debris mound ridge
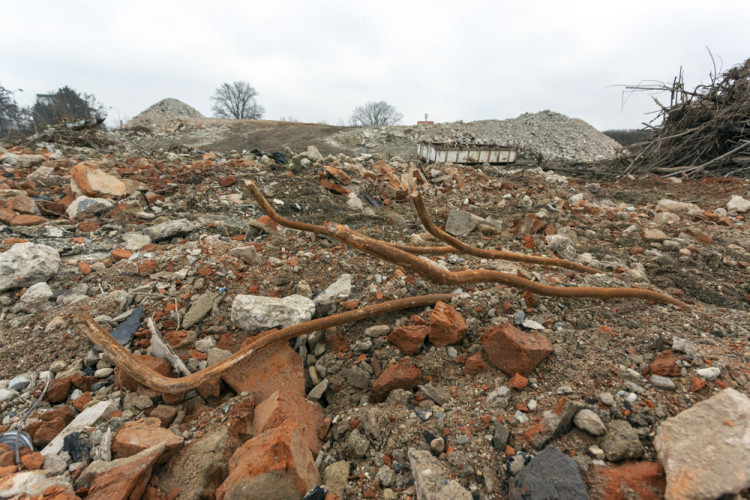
[548, 134]
[165, 110]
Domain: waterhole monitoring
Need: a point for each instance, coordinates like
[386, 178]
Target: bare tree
[374, 114]
[237, 100]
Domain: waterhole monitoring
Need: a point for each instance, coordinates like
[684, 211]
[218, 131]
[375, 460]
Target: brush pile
[704, 130]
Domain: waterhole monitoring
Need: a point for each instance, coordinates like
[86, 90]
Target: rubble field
[492, 393]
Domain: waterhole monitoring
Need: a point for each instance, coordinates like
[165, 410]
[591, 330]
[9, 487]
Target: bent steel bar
[419, 206]
[130, 365]
[428, 270]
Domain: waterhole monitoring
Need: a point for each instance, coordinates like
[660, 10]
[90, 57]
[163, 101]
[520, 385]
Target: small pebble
[662, 382]
[103, 372]
[711, 373]
[521, 417]
[437, 445]
[607, 399]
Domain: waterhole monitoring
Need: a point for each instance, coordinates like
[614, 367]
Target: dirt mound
[165, 110]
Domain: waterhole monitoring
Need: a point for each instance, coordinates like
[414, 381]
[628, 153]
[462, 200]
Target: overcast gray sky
[317, 60]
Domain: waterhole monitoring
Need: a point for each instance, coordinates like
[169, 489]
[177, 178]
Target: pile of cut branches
[703, 131]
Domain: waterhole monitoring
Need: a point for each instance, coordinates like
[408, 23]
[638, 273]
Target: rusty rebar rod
[430, 271]
[130, 365]
[419, 206]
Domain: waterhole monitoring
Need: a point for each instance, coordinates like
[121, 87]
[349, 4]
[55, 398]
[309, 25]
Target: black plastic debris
[317, 493]
[428, 436]
[125, 331]
[72, 444]
[279, 158]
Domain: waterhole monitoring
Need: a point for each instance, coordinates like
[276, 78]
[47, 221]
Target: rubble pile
[491, 394]
[544, 135]
[164, 111]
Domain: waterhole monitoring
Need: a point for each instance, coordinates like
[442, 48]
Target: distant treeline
[628, 137]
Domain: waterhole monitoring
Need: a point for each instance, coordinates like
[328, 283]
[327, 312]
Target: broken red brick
[139, 435]
[664, 365]
[395, 376]
[120, 254]
[475, 364]
[276, 464]
[279, 407]
[511, 350]
[518, 382]
[408, 338]
[447, 326]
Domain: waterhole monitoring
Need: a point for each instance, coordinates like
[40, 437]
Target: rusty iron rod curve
[429, 270]
[419, 206]
[130, 365]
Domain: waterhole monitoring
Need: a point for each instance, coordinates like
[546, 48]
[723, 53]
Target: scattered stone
[200, 308]
[92, 181]
[590, 422]
[738, 204]
[518, 382]
[135, 241]
[254, 313]
[123, 478]
[336, 476]
[461, 223]
[19, 383]
[653, 235]
[317, 392]
[357, 444]
[678, 207]
[199, 468]
[86, 419]
[341, 289]
[169, 229]
[710, 373]
[662, 382]
[641, 480]
[621, 442]
[431, 478]
[705, 449]
[550, 474]
[83, 205]
[34, 484]
[7, 395]
[248, 255]
[26, 264]
[356, 377]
